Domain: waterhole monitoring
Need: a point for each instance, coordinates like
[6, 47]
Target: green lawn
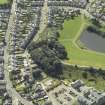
[69, 36]
[3, 1]
[71, 73]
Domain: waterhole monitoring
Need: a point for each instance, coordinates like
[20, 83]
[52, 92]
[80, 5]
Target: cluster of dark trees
[47, 60]
[47, 54]
[96, 23]
[36, 73]
[96, 72]
[96, 30]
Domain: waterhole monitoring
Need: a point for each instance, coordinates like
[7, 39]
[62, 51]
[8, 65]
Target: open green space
[3, 1]
[69, 37]
[72, 73]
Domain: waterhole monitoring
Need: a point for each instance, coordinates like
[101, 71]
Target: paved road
[10, 89]
[42, 26]
[44, 20]
[10, 29]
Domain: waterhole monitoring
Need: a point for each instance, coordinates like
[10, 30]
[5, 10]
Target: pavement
[12, 92]
[44, 18]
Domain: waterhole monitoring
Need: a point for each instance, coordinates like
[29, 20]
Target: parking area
[62, 95]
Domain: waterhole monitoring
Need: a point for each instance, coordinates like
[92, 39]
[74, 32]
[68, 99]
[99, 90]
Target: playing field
[3, 1]
[68, 37]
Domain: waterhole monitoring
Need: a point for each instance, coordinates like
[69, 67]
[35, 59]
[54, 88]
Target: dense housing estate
[29, 46]
[72, 3]
[5, 98]
[98, 10]
[90, 95]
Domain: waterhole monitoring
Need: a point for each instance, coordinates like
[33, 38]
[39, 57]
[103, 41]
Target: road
[44, 20]
[42, 26]
[12, 92]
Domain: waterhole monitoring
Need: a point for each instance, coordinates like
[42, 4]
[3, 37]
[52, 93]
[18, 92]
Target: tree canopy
[47, 54]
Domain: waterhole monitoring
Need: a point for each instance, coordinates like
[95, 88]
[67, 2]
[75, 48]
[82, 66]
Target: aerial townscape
[52, 52]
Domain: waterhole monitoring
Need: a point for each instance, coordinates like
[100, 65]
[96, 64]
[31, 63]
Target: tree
[57, 48]
[47, 54]
[85, 75]
[47, 60]
[36, 73]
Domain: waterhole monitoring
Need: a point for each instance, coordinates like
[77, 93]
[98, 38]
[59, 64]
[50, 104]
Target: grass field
[3, 1]
[71, 73]
[69, 36]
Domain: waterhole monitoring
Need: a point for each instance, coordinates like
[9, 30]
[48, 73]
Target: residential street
[10, 29]
[26, 63]
[9, 86]
[44, 20]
